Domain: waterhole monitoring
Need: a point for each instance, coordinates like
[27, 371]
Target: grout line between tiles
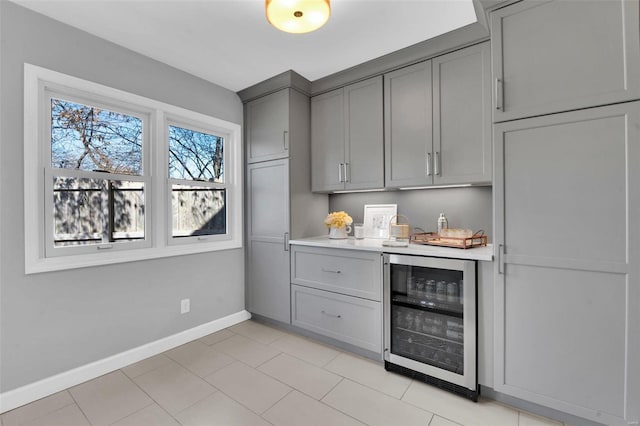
[68, 390]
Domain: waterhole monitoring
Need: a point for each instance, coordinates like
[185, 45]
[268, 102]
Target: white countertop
[370, 244]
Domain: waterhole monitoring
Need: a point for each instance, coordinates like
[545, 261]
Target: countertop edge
[375, 245]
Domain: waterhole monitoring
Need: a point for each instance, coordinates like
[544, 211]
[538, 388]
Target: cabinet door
[364, 137]
[567, 281]
[267, 235]
[560, 55]
[408, 122]
[462, 116]
[327, 141]
[268, 127]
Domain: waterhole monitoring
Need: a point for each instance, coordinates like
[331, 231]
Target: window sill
[61, 263]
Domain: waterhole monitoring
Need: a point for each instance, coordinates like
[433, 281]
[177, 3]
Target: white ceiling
[230, 43]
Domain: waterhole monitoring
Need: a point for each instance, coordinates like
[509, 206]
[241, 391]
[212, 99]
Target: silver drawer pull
[332, 271]
[331, 315]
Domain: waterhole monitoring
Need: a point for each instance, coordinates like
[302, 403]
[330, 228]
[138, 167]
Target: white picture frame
[377, 218]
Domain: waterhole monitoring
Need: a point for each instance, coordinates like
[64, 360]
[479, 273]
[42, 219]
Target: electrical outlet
[185, 306]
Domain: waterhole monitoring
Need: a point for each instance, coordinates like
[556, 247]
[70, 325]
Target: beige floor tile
[37, 409]
[305, 349]
[146, 365]
[174, 387]
[246, 350]
[66, 416]
[374, 408]
[309, 379]
[369, 373]
[257, 331]
[199, 358]
[528, 419]
[439, 421]
[219, 410]
[459, 409]
[297, 409]
[109, 398]
[153, 415]
[216, 337]
[248, 386]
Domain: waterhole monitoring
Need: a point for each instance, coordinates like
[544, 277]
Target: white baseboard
[34, 391]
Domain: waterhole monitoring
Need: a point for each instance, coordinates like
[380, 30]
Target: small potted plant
[339, 224]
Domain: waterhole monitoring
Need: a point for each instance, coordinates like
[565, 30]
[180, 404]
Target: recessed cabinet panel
[355, 273]
[408, 126]
[559, 55]
[327, 141]
[349, 319]
[364, 135]
[268, 199]
[565, 336]
[567, 183]
[269, 274]
[268, 127]
[462, 116]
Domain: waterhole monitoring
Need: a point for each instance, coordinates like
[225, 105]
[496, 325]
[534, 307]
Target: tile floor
[251, 374]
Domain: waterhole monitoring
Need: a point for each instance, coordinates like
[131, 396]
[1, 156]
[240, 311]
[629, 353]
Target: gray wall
[52, 322]
[468, 207]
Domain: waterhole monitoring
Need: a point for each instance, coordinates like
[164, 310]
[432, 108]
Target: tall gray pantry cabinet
[279, 203]
[567, 206]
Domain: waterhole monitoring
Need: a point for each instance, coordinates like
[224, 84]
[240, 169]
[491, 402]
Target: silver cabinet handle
[501, 259]
[340, 173]
[105, 246]
[286, 241]
[285, 140]
[332, 271]
[436, 164]
[428, 164]
[331, 315]
[498, 93]
[347, 172]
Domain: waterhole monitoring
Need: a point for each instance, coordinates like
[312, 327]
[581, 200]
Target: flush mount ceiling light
[297, 16]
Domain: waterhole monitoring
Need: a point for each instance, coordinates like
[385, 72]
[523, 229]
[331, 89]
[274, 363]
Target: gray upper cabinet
[347, 138]
[438, 121]
[552, 56]
[567, 289]
[327, 141]
[408, 126]
[462, 116]
[267, 124]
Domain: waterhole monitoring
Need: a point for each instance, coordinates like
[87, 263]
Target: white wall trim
[34, 391]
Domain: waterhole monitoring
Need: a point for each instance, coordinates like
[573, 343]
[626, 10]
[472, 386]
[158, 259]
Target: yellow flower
[338, 220]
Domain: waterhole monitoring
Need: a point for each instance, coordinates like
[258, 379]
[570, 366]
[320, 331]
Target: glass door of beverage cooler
[430, 318]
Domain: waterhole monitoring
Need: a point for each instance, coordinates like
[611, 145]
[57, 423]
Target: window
[95, 176]
[197, 182]
[112, 177]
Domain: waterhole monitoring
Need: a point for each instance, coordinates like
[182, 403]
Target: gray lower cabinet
[559, 55]
[267, 127]
[347, 138]
[338, 293]
[267, 239]
[348, 319]
[438, 121]
[567, 294]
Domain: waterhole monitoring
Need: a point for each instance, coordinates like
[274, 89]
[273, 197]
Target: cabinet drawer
[354, 273]
[345, 318]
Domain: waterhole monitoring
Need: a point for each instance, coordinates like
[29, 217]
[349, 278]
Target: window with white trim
[112, 177]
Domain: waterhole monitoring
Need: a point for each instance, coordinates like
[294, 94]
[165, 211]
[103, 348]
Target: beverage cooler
[430, 321]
